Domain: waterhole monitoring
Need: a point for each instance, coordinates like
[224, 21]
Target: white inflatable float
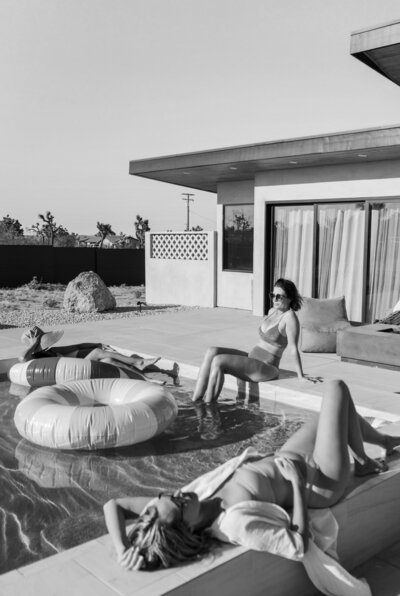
[95, 414]
[49, 371]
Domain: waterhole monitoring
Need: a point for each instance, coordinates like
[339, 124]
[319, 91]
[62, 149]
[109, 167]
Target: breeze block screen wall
[181, 268]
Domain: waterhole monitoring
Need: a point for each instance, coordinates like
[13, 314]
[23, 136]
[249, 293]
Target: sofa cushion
[320, 319]
[321, 338]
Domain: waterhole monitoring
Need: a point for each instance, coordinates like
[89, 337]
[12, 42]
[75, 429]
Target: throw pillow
[321, 311]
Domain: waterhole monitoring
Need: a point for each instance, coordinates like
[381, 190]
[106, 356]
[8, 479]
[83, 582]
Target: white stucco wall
[234, 288]
[344, 182]
[189, 282]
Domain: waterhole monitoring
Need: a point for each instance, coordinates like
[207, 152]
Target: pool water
[52, 500]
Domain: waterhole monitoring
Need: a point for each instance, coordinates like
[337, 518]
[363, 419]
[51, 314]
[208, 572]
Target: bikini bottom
[258, 353]
[315, 495]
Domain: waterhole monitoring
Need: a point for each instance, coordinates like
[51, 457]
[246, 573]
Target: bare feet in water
[370, 466]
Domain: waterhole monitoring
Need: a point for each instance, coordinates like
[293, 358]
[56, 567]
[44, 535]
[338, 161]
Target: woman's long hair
[291, 292]
[164, 545]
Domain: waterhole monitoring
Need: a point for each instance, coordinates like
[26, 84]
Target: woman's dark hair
[291, 292]
[165, 545]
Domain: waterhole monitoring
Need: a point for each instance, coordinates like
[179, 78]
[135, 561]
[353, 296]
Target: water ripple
[52, 500]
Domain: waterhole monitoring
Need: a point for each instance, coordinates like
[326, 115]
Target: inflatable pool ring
[95, 413]
[50, 371]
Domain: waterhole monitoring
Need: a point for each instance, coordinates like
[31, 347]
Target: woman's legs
[205, 368]
[135, 360]
[327, 439]
[173, 372]
[332, 439]
[221, 361]
[131, 372]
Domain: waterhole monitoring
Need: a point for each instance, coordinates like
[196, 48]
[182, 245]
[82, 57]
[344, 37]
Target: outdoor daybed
[377, 345]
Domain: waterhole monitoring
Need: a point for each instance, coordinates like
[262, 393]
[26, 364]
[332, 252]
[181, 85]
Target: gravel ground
[27, 306]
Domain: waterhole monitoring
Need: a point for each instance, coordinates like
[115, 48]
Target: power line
[188, 199]
[203, 216]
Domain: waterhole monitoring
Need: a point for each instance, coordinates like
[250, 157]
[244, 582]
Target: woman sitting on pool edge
[278, 330]
[39, 344]
[245, 500]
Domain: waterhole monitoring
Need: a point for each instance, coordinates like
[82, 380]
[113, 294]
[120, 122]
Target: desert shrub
[34, 283]
[49, 303]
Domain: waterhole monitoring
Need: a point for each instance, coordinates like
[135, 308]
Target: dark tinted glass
[238, 237]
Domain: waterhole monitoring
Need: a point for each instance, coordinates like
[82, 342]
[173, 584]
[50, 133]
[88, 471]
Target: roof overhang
[204, 170]
[379, 48]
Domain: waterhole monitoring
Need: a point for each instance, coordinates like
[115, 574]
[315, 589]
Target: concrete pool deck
[184, 336]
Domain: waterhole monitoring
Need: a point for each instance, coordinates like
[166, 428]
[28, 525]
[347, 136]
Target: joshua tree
[241, 221]
[48, 229]
[141, 226]
[104, 230]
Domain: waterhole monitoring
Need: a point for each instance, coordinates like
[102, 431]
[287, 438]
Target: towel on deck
[265, 526]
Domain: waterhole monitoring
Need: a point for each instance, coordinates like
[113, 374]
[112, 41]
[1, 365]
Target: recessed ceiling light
[186, 173]
[232, 168]
[293, 162]
[362, 155]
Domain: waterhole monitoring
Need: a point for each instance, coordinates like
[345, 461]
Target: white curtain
[341, 255]
[294, 246]
[384, 279]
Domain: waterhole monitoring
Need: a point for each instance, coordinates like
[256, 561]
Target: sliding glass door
[293, 254]
[320, 247]
[340, 246]
[384, 262]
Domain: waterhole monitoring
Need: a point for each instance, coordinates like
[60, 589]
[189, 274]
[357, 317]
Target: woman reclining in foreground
[39, 344]
[245, 501]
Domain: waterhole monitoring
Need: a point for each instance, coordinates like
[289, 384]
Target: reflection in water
[51, 500]
[210, 424]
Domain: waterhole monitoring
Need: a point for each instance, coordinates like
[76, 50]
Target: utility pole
[188, 199]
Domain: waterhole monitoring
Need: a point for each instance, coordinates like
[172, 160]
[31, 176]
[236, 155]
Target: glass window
[238, 237]
[384, 269]
[341, 229]
[293, 254]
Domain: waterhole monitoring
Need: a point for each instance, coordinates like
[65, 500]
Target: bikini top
[269, 332]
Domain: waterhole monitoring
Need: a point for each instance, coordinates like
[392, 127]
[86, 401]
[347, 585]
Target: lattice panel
[186, 247]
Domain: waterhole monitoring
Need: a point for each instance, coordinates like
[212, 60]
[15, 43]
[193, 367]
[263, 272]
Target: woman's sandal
[371, 466]
[391, 444]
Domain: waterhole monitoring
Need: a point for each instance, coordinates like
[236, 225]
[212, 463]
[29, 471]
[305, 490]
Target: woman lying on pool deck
[245, 501]
[39, 345]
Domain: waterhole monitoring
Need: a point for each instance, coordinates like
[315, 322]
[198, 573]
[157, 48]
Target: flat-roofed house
[323, 211]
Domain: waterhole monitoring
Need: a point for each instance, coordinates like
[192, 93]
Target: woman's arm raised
[116, 512]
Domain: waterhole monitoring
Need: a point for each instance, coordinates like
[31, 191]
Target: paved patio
[183, 337]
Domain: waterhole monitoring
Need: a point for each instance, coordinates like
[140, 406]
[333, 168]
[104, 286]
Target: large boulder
[88, 293]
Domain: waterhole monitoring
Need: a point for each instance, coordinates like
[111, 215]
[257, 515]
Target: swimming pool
[52, 500]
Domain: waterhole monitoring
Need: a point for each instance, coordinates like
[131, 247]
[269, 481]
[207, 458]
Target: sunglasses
[276, 296]
[180, 500]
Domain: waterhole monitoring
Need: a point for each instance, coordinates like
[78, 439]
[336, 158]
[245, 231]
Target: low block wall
[180, 268]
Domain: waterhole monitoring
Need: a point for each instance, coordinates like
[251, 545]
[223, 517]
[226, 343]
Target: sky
[88, 85]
